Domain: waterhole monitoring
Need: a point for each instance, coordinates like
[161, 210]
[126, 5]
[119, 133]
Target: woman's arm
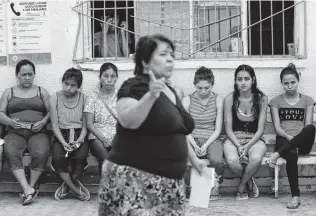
[4, 119]
[228, 104]
[219, 122]
[46, 97]
[125, 48]
[54, 119]
[93, 129]
[132, 113]
[277, 125]
[309, 115]
[84, 130]
[261, 122]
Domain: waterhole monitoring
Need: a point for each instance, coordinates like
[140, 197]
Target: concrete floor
[46, 205]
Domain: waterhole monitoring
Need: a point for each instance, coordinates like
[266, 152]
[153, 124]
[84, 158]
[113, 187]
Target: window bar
[160, 24]
[104, 38]
[209, 27]
[283, 30]
[244, 34]
[260, 17]
[249, 30]
[272, 33]
[138, 25]
[116, 29]
[191, 51]
[238, 28]
[204, 29]
[197, 30]
[182, 40]
[227, 22]
[93, 29]
[126, 32]
[83, 32]
[148, 16]
[88, 32]
[215, 8]
[249, 26]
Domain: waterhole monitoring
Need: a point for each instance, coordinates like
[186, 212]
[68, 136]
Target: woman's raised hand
[156, 86]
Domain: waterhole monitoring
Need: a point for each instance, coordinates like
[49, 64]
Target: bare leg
[67, 179]
[34, 177]
[232, 158]
[256, 153]
[19, 174]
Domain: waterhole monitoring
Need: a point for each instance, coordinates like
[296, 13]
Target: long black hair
[257, 94]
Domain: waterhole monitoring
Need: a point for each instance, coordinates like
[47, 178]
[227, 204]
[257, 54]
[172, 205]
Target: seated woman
[245, 112]
[69, 149]
[100, 113]
[292, 114]
[24, 110]
[206, 108]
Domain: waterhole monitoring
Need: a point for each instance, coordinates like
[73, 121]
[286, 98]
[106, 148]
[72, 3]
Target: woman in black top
[245, 112]
[145, 167]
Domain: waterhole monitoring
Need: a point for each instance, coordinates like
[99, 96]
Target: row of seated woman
[81, 124]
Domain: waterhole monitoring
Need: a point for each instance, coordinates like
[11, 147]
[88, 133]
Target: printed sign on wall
[3, 48]
[28, 31]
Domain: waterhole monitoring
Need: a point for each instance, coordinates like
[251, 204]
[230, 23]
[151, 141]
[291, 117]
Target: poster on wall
[28, 31]
[3, 48]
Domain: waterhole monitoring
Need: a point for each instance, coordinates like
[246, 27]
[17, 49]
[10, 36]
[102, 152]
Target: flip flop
[83, 190]
[59, 195]
[30, 198]
[254, 191]
[242, 196]
[293, 205]
[22, 195]
[271, 163]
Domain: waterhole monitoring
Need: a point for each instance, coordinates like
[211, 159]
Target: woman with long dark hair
[245, 112]
[292, 114]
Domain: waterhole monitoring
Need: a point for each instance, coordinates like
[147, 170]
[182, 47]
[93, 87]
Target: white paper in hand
[1, 141]
[201, 187]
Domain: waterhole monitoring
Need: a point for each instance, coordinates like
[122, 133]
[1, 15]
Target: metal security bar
[202, 29]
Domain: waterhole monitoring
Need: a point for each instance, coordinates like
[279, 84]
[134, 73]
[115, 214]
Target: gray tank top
[69, 118]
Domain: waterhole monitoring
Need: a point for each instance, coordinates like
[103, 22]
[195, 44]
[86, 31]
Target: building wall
[64, 23]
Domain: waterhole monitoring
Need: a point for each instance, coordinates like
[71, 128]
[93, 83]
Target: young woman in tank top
[245, 112]
[24, 109]
[206, 108]
[69, 149]
[292, 114]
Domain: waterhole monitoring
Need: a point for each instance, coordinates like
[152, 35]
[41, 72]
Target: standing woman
[24, 109]
[206, 108]
[145, 168]
[245, 112]
[69, 148]
[292, 114]
[100, 113]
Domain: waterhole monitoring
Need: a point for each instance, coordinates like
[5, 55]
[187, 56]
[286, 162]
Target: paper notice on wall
[3, 48]
[201, 187]
[28, 31]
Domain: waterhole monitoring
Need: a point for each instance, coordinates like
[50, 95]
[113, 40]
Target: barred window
[203, 29]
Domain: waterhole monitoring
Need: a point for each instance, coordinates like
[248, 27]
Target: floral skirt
[129, 191]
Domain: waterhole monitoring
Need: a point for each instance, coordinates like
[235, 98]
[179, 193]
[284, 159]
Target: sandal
[59, 194]
[216, 187]
[254, 191]
[293, 204]
[84, 193]
[31, 197]
[271, 163]
[242, 196]
[22, 195]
